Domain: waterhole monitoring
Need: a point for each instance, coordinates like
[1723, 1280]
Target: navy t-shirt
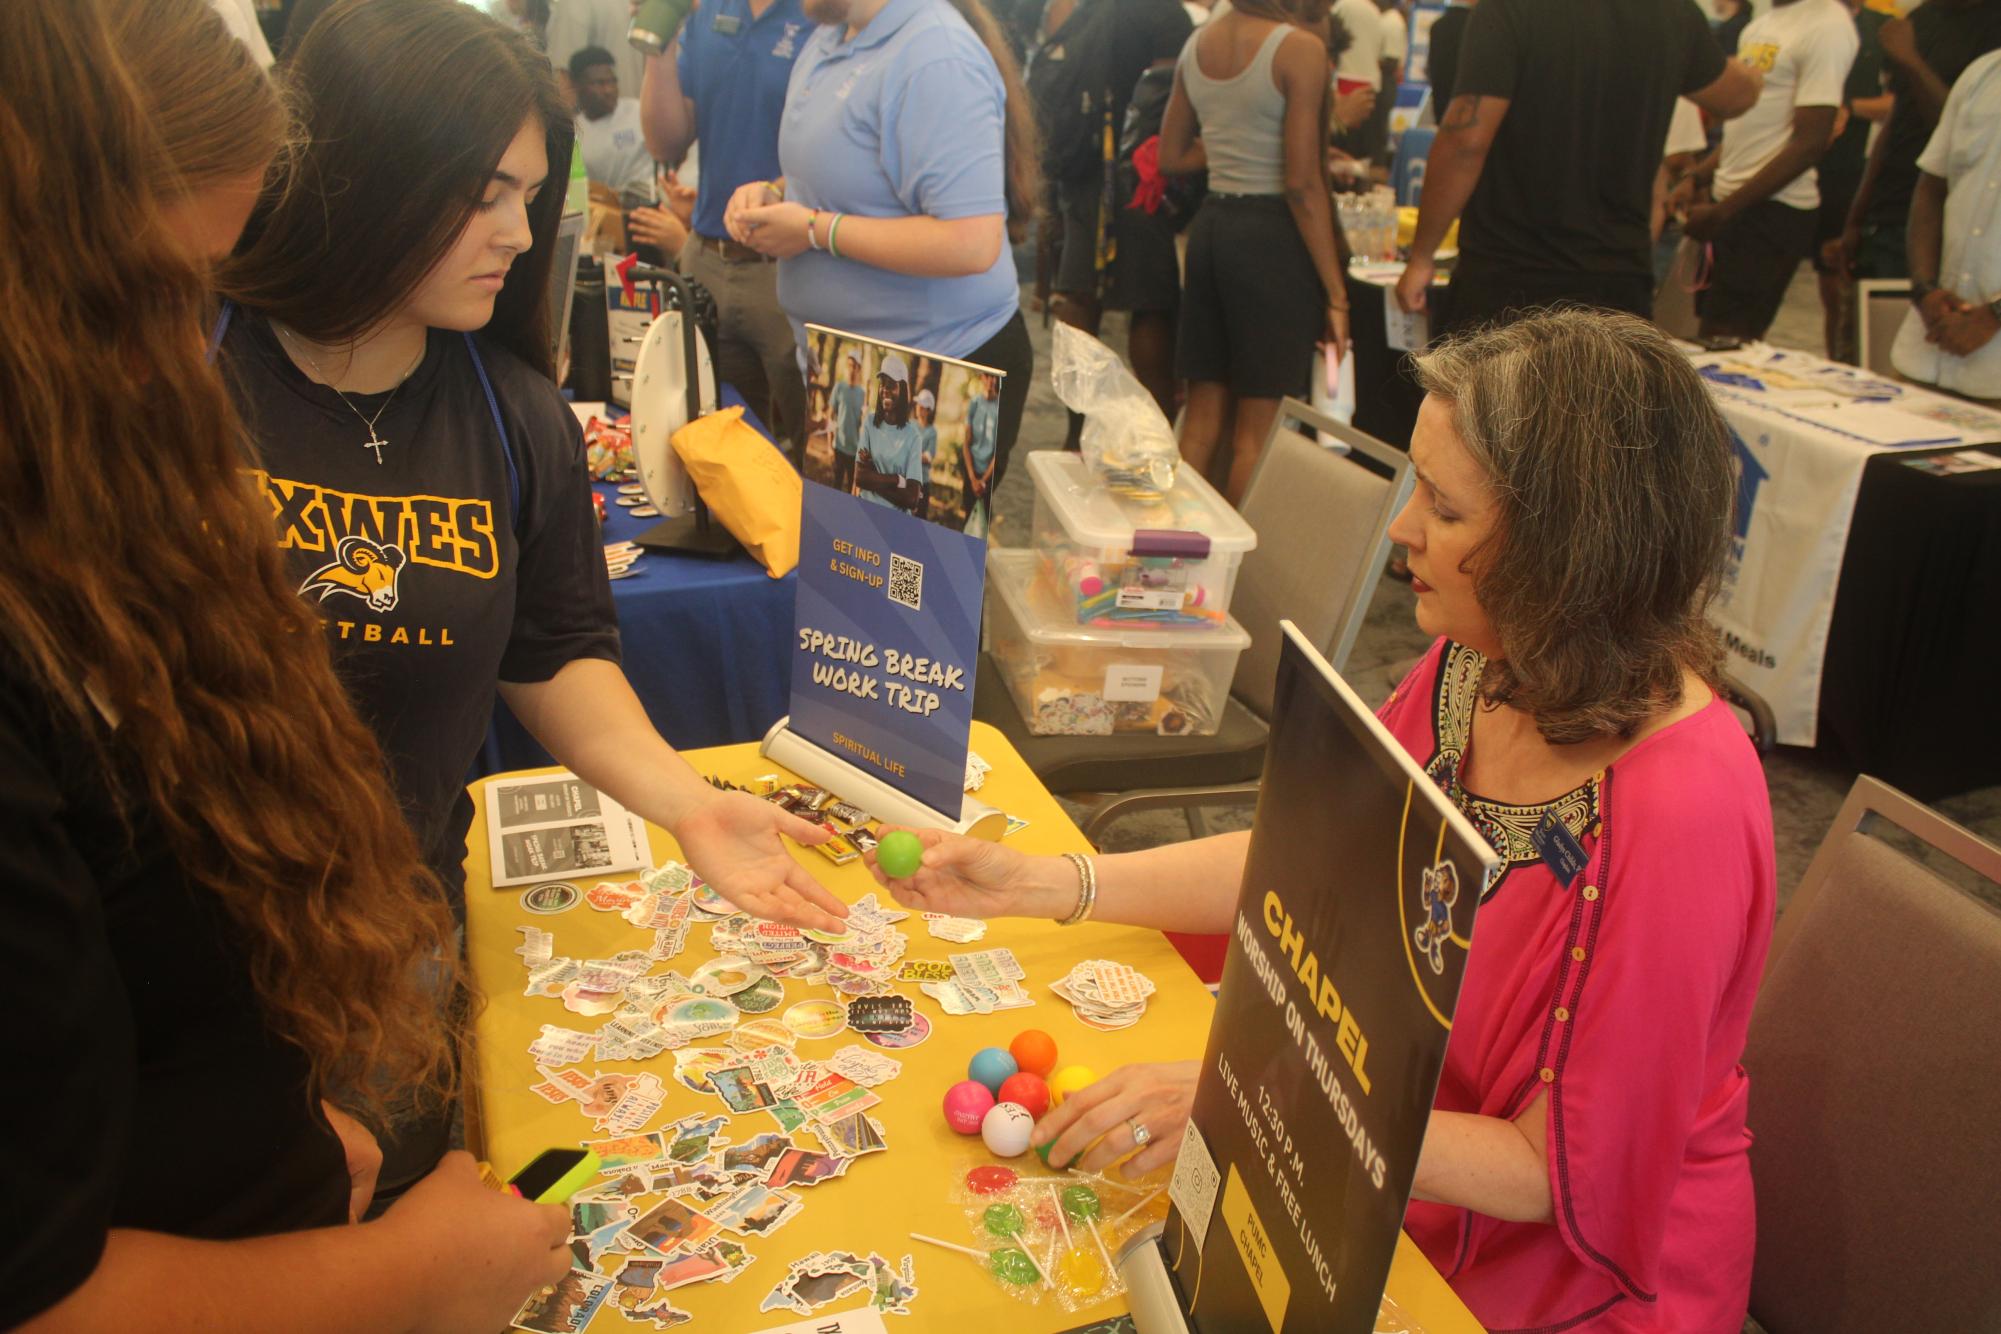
[432, 588]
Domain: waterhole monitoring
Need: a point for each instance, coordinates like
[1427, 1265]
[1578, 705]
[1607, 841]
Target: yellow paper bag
[747, 484]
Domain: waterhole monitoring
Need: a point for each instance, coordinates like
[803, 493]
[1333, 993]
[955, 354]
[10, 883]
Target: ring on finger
[1141, 1135]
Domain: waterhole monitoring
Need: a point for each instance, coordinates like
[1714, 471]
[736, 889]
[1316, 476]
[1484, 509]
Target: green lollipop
[1003, 1220]
[1081, 1204]
[1012, 1265]
[899, 854]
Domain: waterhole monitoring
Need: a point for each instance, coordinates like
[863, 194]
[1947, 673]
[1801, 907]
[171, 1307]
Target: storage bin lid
[1094, 516]
[1011, 574]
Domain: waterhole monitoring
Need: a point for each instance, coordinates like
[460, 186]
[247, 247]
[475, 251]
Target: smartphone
[555, 1175]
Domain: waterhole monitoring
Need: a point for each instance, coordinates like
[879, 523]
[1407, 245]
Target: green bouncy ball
[899, 854]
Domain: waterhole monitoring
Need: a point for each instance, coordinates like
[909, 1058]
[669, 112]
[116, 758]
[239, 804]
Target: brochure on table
[892, 568]
[1346, 956]
[558, 827]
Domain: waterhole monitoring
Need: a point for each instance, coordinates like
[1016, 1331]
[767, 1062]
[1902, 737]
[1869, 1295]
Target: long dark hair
[1023, 142]
[407, 106]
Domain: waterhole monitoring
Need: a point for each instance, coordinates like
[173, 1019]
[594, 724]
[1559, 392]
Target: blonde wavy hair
[138, 565]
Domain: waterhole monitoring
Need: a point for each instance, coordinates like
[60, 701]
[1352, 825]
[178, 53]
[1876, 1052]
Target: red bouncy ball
[966, 1104]
[1027, 1090]
[1034, 1051]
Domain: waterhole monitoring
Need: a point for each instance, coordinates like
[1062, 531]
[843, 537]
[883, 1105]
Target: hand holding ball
[899, 854]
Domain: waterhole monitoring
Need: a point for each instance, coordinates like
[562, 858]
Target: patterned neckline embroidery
[1509, 829]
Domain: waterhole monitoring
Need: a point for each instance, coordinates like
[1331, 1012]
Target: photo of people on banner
[902, 428]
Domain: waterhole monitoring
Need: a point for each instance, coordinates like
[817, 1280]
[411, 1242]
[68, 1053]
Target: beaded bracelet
[812, 217]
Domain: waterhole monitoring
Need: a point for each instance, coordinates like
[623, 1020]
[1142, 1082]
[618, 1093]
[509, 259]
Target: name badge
[727, 25]
[1559, 848]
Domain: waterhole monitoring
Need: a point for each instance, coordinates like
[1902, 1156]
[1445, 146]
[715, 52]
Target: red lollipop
[1029, 1090]
[990, 1179]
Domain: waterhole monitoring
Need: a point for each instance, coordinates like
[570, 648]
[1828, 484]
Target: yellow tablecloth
[885, 1196]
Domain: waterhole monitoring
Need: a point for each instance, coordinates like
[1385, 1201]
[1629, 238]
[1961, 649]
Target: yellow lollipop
[1081, 1272]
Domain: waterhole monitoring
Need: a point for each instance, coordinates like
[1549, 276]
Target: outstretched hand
[736, 842]
[970, 877]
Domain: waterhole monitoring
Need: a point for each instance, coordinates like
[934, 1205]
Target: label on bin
[1128, 683]
[1150, 599]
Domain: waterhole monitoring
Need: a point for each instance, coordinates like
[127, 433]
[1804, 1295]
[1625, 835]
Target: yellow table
[885, 1196]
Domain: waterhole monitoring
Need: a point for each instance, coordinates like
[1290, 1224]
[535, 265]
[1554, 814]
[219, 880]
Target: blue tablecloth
[706, 645]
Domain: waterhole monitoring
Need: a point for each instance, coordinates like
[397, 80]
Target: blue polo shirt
[906, 118]
[734, 68]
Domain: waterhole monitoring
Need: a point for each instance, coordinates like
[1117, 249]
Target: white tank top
[1242, 120]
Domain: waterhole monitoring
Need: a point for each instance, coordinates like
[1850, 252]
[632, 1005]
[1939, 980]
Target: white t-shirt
[615, 152]
[1965, 153]
[1685, 130]
[1804, 50]
[1362, 61]
[1396, 35]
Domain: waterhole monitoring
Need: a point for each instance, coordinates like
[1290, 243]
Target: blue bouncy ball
[991, 1066]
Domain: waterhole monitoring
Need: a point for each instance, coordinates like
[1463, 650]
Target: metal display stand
[822, 768]
[696, 533]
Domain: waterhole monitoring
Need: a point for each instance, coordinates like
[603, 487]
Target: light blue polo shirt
[848, 402]
[982, 430]
[734, 69]
[906, 118]
[897, 450]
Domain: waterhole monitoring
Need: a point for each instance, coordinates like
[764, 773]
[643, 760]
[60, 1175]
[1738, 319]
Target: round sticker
[630, 501]
[920, 1029]
[760, 996]
[645, 512]
[701, 1010]
[556, 896]
[726, 976]
[632, 489]
[706, 900]
[841, 937]
[692, 1068]
[816, 1018]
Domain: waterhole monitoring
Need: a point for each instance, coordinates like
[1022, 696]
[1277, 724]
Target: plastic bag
[1128, 442]
[747, 483]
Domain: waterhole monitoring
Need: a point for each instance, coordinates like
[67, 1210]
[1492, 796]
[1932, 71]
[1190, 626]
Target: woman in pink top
[1585, 1165]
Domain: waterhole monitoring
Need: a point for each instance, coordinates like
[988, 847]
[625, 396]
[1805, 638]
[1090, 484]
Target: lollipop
[1083, 1273]
[1003, 1220]
[1009, 1264]
[1081, 1204]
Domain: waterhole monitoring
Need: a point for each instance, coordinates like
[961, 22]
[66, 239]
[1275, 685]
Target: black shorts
[1756, 255]
[1252, 307]
[1145, 271]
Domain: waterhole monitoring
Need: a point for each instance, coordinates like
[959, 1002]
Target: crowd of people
[308, 276]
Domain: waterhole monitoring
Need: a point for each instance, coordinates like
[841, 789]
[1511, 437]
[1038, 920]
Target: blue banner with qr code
[886, 642]
[900, 461]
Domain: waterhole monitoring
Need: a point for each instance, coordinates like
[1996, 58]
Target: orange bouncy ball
[1034, 1051]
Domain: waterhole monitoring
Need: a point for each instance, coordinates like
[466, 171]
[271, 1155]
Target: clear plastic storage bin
[1075, 680]
[1118, 561]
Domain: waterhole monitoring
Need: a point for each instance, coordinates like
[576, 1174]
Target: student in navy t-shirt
[427, 485]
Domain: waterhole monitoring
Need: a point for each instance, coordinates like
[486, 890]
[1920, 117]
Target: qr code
[906, 582]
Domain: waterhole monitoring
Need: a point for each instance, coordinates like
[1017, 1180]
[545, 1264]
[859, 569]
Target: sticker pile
[1106, 996]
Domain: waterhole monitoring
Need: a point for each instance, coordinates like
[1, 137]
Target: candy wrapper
[608, 448]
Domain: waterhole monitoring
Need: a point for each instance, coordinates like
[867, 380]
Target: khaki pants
[755, 350]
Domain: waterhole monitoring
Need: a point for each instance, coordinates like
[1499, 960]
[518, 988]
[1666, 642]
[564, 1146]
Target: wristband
[812, 217]
[833, 235]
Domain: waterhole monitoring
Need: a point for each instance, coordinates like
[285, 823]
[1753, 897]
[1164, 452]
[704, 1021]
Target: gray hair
[1616, 485]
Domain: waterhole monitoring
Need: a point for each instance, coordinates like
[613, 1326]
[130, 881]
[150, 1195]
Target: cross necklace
[374, 441]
